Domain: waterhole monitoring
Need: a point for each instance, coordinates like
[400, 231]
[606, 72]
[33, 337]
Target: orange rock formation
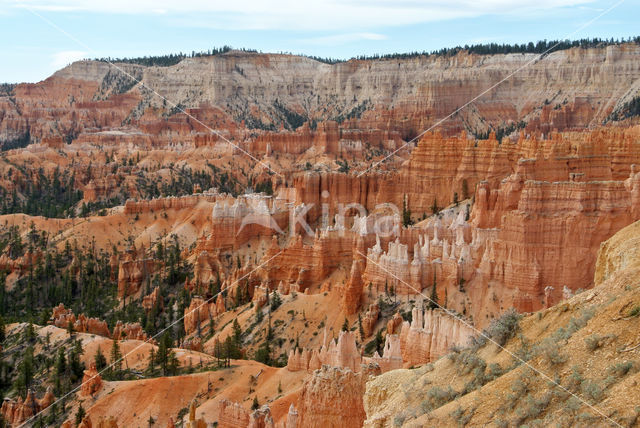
[133, 269]
[192, 422]
[332, 396]
[91, 381]
[15, 412]
[61, 318]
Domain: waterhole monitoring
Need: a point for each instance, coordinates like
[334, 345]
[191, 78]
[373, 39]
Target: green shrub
[594, 342]
[575, 379]
[580, 321]
[399, 419]
[532, 407]
[524, 352]
[495, 371]
[461, 416]
[500, 330]
[437, 397]
[621, 369]
[634, 312]
[467, 361]
[519, 387]
[549, 350]
[592, 390]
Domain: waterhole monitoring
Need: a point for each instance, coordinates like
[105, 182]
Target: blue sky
[41, 36]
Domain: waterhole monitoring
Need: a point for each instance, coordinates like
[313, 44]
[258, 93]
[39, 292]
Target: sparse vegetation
[629, 109]
[596, 341]
[500, 330]
[437, 397]
[621, 369]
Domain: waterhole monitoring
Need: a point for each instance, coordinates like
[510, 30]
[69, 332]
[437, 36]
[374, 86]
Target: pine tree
[165, 357]
[263, 354]
[345, 325]
[434, 208]
[99, 359]
[61, 368]
[151, 366]
[269, 330]
[80, 415]
[228, 350]
[360, 328]
[173, 363]
[217, 351]
[211, 326]
[465, 189]
[115, 367]
[29, 333]
[237, 333]
[162, 357]
[77, 366]
[406, 212]
[276, 301]
[379, 342]
[433, 300]
[25, 372]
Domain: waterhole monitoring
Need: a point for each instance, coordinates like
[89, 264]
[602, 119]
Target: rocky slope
[575, 363]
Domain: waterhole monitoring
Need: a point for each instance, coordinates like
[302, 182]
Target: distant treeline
[171, 59]
[7, 89]
[540, 47]
[543, 46]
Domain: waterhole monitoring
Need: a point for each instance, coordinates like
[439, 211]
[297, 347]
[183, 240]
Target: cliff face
[541, 208]
[430, 335]
[552, 214]
[617, 254]
[307, 264]
[133, 270]
[332, 397]
[342, 352]
[232, 415]
[403, 96]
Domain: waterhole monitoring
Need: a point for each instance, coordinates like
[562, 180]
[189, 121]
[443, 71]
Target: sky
[42, 36]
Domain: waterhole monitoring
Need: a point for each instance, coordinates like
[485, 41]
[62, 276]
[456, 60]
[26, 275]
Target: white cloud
[64, 58]
[339, 39]
[311, 15]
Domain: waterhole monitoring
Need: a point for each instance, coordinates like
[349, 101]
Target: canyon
[299, 253]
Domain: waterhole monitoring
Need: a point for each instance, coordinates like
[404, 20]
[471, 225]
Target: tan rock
[232, 415]
[91, 381]
[370, 319]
